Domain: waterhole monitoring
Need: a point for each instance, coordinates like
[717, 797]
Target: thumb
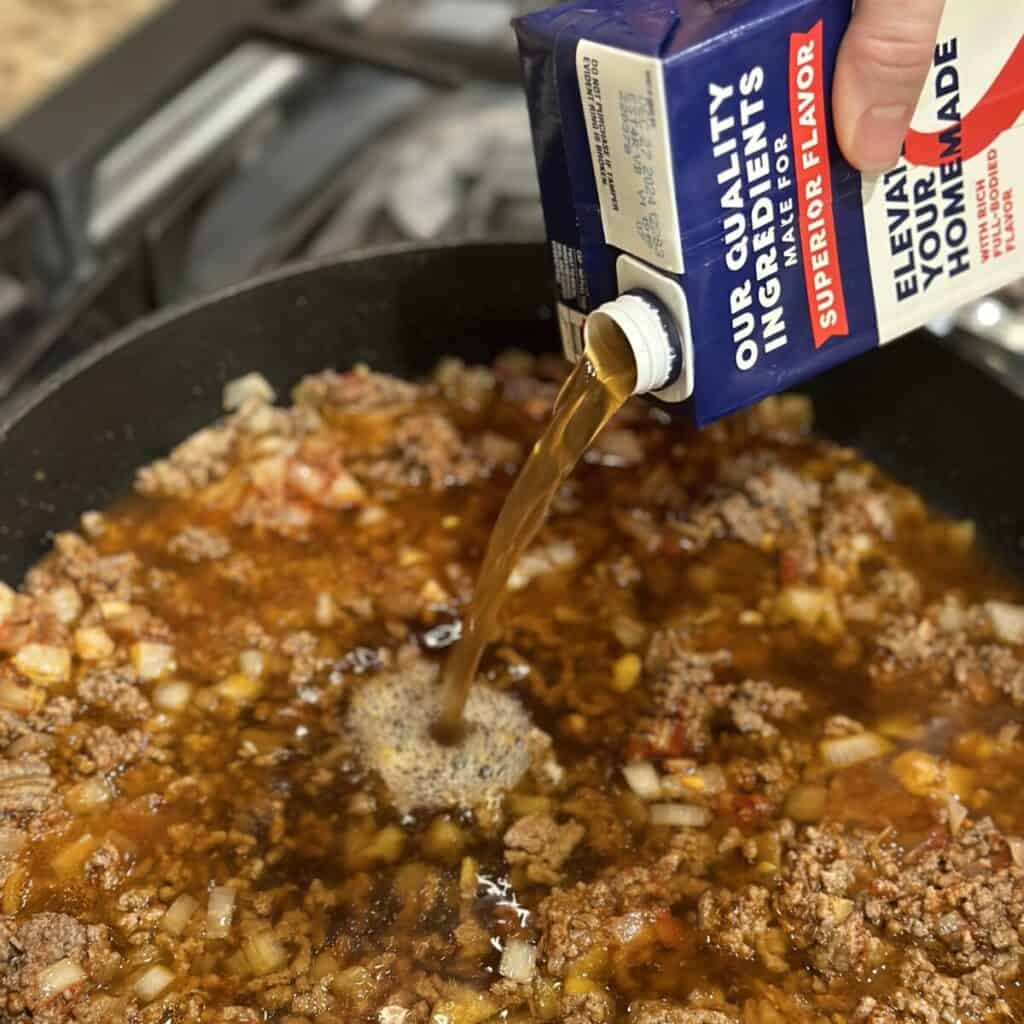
[883, 62]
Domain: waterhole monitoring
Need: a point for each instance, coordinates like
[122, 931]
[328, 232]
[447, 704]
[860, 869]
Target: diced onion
[1007, 621]
[252, 663]
[806, 803]
[324, 611]
[264, 952]
[152, 660]
[93, 643]
[179, 913]
[957, 813]
[69, 860]
[554, 556]
[153, 982]
[680, 815]
[7, 596]
[1016, 845]
[519, 960]
[843, 751]
[239, 688]
[643, 779]
[23, 699]
[220, 911]
[88, 796]
[59, 977]
[65, 603]
[172, 696]
[344, 491]
[44, 663]
[252, 388]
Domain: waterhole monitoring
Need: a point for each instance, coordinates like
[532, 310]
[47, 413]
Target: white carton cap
[651, 333]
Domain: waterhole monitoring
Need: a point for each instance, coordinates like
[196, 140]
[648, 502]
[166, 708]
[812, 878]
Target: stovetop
[222, 139]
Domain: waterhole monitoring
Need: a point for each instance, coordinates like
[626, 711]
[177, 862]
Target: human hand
[883, 62]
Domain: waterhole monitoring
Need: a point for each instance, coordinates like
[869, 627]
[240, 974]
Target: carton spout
[639, 321]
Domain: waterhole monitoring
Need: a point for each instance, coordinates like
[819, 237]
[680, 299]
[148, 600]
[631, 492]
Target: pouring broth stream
[599, 385]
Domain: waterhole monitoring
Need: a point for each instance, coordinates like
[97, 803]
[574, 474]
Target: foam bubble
[391, 717]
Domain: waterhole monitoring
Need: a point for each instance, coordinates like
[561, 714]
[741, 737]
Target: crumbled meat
[542, 845]
[26, 788]
[196, 544]
[660, 1011]
[816, 905]
[926, 996]
[690, 702]
[959, 896]
[586, 1008]
[758, 501]
[29, 946]
[738, 924]
[356, 390]
[116, 690]
[106, 749]
[105, 867]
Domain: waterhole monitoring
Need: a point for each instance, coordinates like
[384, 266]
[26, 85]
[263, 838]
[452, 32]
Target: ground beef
[426, 451]
[661, 1011]
[758, 500]
[105, 749]
[586, 1008]
[116, 690]
[31, 945]
[816, 905]
[742, 924]
[692, 706]
[926, 996]
[542, 846]
[26, 789]
[106, 867]
[572, 921]
[358, 389]
[943, 649]
[961, 896]
[195, 544]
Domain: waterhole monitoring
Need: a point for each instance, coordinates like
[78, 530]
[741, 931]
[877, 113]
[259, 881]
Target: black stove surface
[222, 139]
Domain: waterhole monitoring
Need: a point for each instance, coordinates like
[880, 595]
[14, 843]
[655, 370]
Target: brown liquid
[595, 390]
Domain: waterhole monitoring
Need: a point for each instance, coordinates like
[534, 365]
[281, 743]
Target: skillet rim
[25, 400]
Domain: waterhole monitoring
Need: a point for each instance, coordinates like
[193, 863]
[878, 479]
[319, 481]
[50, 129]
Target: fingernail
[879, 136]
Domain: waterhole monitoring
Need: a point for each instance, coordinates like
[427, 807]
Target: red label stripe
[807, 112]
[992, 115]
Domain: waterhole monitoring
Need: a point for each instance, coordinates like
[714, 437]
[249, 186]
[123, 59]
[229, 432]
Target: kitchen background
[156, 150]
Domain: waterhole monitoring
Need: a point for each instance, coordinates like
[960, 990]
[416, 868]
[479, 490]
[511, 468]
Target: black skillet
[72, 442]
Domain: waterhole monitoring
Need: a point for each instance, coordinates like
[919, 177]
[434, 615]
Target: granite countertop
[43, 41]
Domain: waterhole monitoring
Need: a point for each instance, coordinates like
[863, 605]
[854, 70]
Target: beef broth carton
[686, 150]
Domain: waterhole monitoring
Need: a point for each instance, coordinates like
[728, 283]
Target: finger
[883, 62]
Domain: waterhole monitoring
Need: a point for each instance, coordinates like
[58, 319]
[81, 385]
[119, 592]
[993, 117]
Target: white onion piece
[1016, 845]
[179, 913]
[519, 960]
[957, 813]
[252, 663]
[7, 598]
[843, 751]
[88, 796]
[264, 953]
[59, 977]
[680, 815]
[151, 660]
[153, 982]
[172, 696]
[1007, 621]
[44, 663]
[23, 699]
[220, 911]
[643, 779]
